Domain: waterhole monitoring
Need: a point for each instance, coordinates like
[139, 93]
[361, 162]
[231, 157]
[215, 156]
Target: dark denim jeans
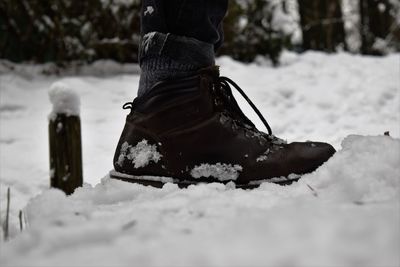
[178, 28]
[178, 38]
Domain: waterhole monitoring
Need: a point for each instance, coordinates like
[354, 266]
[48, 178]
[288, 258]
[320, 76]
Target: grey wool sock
[162, 68]
[168, 57]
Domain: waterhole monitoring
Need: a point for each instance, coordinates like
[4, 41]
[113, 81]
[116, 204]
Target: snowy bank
[98, 68]
[346, 213]
[312, 96]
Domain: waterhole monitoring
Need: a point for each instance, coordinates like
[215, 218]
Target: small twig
[20, 220]
[25, 220]
[6, 233]
[359, 202]
[323, 22]
[314, 192]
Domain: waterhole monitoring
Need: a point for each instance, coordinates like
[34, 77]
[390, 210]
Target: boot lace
[228, 106]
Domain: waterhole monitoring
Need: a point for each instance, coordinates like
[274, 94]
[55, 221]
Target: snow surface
[221, 171]
[264, 156]
[149, 10]
[147, 40]
[140, 155]
[345, 214]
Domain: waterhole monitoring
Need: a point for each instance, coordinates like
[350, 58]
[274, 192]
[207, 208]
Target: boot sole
[159, 181]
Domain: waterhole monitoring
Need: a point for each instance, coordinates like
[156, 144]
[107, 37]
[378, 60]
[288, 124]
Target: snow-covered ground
[347, 213]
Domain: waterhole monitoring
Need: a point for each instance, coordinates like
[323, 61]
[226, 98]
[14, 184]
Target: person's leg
[178, 38]
[188, 127]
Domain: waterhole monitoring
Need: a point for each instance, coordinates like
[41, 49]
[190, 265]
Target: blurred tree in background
[378, 26]
[322, 25]
[257, 27]
[65, 30]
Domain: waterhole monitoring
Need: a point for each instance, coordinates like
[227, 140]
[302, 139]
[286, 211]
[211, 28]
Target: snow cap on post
[65, 100]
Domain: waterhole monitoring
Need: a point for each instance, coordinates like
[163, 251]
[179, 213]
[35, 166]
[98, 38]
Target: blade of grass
[20, 220]
[6, 223]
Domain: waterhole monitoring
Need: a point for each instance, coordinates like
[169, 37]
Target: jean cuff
[186, 50]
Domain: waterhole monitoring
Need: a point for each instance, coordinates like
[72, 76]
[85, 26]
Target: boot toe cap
[314, 154]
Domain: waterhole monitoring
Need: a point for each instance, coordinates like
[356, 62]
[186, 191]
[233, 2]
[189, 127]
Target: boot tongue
[212, 71]
[165, 92]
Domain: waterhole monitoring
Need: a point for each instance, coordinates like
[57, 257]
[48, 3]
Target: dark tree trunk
[322, 25]
[375, 22]
[364, 31]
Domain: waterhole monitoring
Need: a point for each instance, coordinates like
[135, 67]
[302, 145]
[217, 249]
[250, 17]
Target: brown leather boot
[192, 130]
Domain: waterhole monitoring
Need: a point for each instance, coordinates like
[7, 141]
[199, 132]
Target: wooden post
[6, 223]
[65, 145]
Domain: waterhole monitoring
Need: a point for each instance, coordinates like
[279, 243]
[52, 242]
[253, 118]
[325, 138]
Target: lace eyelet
[234, 126]
[223, 119]
[262, 142]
